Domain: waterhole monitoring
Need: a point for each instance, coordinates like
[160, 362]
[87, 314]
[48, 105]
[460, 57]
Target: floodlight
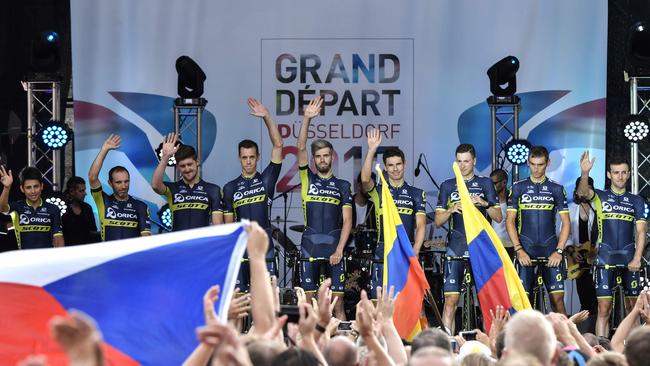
[636, 128]
[503, 80]
[517, 151]
[54, 135]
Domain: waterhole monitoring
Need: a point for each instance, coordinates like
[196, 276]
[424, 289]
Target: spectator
[341, 352]
[528, 332]
[431, 337]
[431, 356]
[78, 221]
[636, 346]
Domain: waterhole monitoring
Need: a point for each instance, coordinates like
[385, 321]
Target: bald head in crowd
[637, 345]
[530, 333]
[431, 356]
[340, 351]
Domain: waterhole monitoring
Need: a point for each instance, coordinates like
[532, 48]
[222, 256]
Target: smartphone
[291, 311]
[345, 326]
[454, 345]
[469, 335]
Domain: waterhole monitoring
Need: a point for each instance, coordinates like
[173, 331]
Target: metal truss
[43, 106]
[188, 116]
[640, 152]
[505, 127]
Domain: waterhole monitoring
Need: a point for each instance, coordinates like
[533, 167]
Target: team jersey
[120, 219]
[249, 197]
[192, 207]
[323, 199]
[448, 195]
[410, 202]
[35, 227]
[617, 215]
[537, 205]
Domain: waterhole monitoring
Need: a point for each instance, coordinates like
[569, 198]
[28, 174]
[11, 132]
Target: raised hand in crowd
[367, 330]
[384, 316]
[240, 305]
[579, 317]
[641, 310]
[79, 337]
[261, 291]
[307, 328]
[229, 350]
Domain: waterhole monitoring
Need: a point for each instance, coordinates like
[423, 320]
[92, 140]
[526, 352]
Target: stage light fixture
[44, 55]
[165, 216]
[172, 159]
[517, 151]
[59, 201]
[503, 81]
[190, 78]
[54, 135]
[636, 128]
[639, 49]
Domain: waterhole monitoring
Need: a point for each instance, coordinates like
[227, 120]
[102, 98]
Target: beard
[324, 168]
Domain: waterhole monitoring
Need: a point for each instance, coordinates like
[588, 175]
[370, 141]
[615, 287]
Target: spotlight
[165, 216]
[503, 81]
[59, 202]
[517, 151]
[639, 49]
[54, 135]
[636, 128]
[44, 55]
[190, 78]
[172, 159]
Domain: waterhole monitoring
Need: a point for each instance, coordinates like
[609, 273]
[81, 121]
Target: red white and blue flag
[495, 277]
[145, 293]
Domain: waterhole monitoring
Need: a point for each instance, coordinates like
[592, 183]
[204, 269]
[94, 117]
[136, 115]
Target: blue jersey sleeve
[346, 193]
[420, 202]
[227, 198]
[490, 193]
[640, 209]
[214, 193]
[559, 195]
[270, 177]
[56, 221]
[144, 223]
[513, 198]
[443, 197]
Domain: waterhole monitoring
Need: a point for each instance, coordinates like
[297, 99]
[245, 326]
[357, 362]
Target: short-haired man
[410, 202]
[621, 218]
[449, 208]
[193, 201]
[528, 332]
[327, 208]
[37, 223]
[120, 215]
[532, 208]
[248, 196]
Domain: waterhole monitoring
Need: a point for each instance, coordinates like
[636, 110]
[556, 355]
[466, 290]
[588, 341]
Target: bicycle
[619, 312]
[470, 317]
[539, 295]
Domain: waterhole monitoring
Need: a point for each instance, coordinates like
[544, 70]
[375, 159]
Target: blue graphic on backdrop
[580, 126]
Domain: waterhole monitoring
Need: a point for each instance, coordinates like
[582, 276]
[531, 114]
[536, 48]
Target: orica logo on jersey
[313, 190]
[199, 188]
[239, 195]
[403, 203]
[111, 214]
[25, 220]
[179, 198]
[607, 207]
[455, 197]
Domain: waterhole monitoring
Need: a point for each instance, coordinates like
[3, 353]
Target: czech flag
[495, 277]
[401, 268]
[146, 294]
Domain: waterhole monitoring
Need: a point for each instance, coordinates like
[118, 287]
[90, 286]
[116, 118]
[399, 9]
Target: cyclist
[621, 219]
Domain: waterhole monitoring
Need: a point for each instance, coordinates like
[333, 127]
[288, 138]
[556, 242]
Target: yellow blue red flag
[495, 277]
[401, 268]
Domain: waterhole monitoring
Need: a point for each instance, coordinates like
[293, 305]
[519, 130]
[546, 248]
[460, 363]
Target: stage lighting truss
[636, 128]
[59, 202]
[503, 80]
[172, 159]
[54, 135]
[165, 216]
[517, 151]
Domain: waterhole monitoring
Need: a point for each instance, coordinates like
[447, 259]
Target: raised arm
[168, 149]
[312, 110]
[262, 297]
[374, 140]
[259, 110]
[112, 142]
[586, 164]
[7, 180]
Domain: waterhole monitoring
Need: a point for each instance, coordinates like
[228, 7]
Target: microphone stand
[285, 197]
[426, 170]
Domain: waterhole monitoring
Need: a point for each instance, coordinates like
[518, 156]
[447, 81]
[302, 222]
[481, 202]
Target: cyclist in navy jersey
[193, 201]
[621, 221]
[37, 224]
[533, 205]
[410, 202]
[248, 196]
[327, 208]
[120, 215]
[449, 208]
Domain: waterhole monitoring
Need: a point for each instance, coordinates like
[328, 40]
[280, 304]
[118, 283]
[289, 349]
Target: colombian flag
[401, 268]
[496, 280]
